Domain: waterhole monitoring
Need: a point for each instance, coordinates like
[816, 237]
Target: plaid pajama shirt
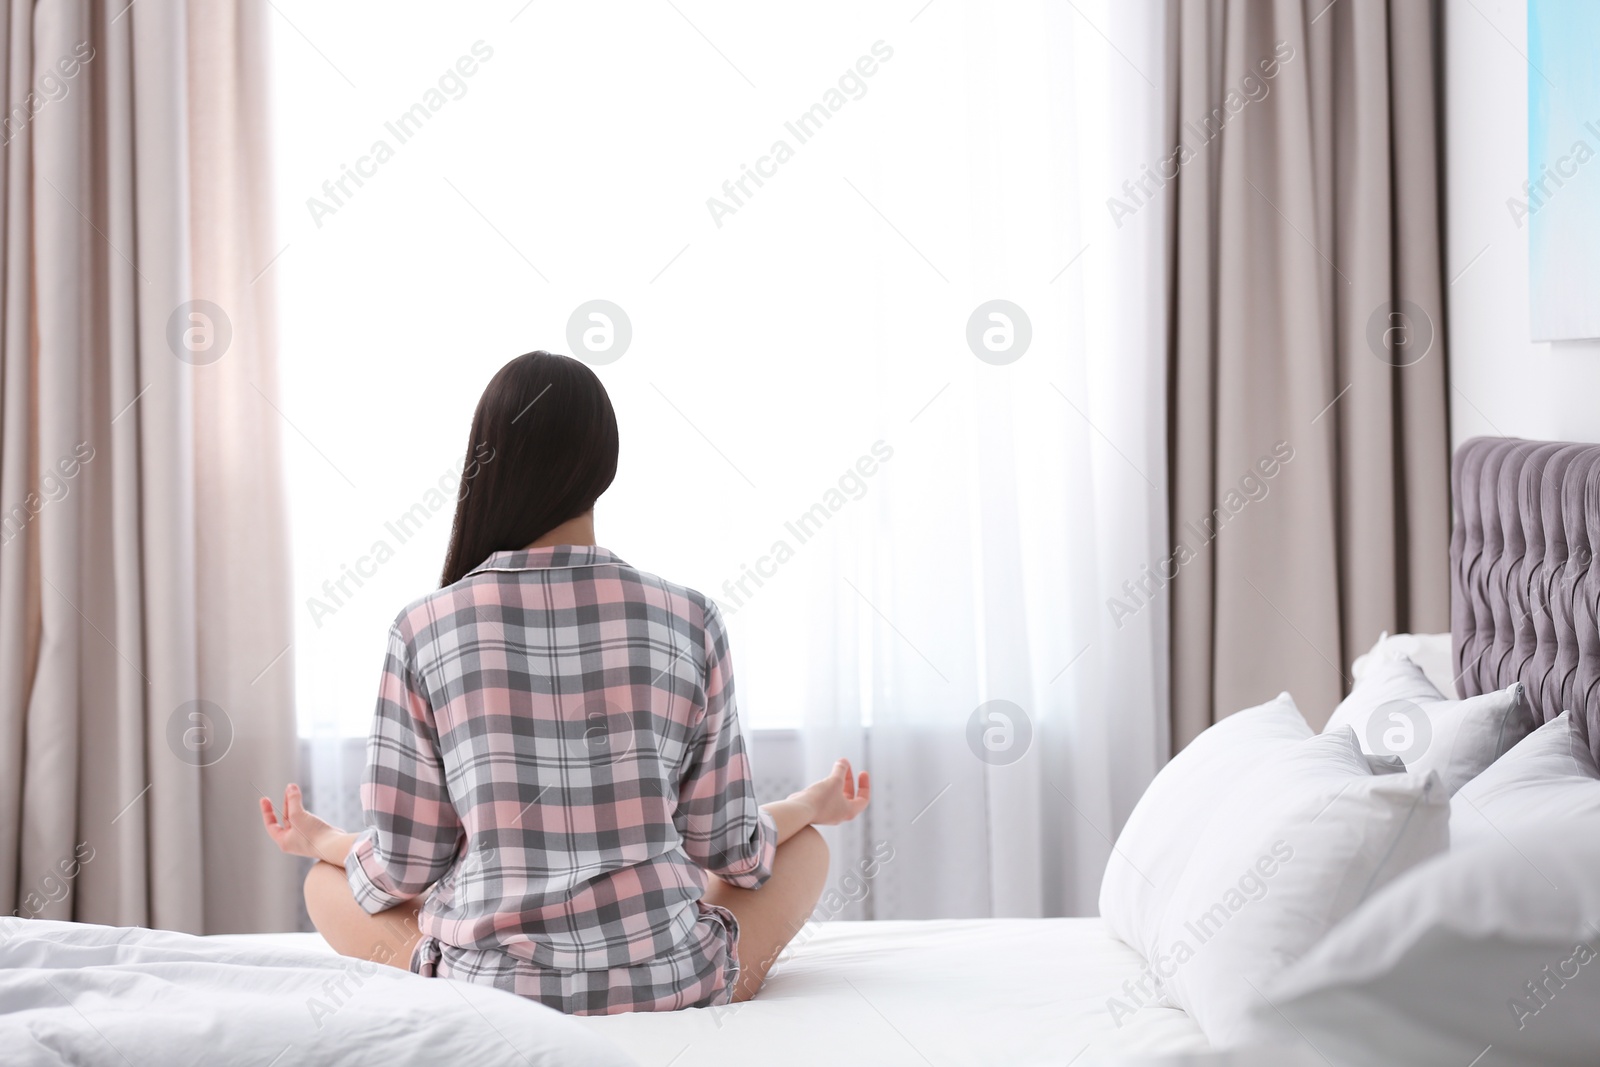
[557, 752]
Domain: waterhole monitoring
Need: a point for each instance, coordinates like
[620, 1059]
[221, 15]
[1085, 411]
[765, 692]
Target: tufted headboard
[1524, 588]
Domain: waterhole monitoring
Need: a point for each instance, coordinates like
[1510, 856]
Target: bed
[1012, 991]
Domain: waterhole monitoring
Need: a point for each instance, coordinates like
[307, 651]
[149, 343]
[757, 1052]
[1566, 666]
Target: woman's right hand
[837, 798]
[300, 833]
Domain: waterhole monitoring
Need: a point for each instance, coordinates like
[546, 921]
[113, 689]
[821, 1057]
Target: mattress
[959, 991]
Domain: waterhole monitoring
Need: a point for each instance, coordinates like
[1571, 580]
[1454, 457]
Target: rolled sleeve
[413, 833]
[363, 871]
[723, 827]
[751, 865]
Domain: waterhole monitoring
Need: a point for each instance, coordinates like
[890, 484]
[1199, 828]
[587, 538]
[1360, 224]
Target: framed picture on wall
[1560, 204]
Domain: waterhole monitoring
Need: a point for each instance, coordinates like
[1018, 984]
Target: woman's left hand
[837, 798]
[300, 833]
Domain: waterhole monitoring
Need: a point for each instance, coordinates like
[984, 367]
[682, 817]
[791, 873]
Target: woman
[557, 796]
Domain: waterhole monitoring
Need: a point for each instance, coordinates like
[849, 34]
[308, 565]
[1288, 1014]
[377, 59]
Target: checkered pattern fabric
[557, 753]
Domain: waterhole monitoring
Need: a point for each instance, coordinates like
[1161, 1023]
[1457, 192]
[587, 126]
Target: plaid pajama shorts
[699, 974]
[557, 754]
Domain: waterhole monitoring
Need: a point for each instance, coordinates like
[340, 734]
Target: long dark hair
[543, 448]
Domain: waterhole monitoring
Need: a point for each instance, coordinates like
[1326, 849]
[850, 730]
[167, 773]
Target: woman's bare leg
[387, 937]
[769, 917]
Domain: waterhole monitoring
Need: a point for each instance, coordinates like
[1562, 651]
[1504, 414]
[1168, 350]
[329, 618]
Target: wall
[1501, 383]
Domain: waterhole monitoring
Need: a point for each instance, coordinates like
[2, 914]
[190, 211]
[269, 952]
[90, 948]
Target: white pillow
[1159, 836]
[1434, 653]
[1551, 774]
[1396, 711]
[1493, 945]
[1294, 847]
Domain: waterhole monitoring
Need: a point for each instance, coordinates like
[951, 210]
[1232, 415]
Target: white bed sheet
[941, 992]
[978, 991]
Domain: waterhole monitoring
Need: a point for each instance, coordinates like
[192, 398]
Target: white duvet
[946, 993]
[77, 994]
[923, 993]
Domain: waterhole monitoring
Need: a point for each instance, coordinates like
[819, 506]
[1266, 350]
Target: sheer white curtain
[1028, 492]
[898, 529]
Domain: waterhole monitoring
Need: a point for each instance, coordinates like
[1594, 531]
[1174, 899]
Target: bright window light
[457, 183]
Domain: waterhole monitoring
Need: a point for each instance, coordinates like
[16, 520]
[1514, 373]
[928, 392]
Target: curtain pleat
[19, 623]
[243, 574]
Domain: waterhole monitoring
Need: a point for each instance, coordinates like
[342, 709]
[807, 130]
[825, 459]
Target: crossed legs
[769, 917]
[387, 937]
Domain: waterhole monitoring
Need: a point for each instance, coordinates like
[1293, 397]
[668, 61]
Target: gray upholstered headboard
[1524, 588]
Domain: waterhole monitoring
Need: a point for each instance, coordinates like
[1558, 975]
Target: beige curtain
[1307, 311]
[145, 659]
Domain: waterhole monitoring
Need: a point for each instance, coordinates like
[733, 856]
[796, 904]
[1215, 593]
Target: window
[796, 210]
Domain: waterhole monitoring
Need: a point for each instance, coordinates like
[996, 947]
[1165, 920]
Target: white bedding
[974, 991]
[78, 994]
[983, 991]
[979, 991]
